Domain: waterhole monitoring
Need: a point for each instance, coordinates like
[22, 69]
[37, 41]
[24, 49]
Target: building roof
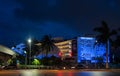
[6, 50]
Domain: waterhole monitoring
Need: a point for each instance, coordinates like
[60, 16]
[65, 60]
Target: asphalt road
[82, 72]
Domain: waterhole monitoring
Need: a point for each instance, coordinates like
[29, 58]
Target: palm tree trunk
[107, 52]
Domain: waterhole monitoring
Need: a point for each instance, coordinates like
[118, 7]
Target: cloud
[58, 30]
[38, 10]
[67, 18]
[67, 11]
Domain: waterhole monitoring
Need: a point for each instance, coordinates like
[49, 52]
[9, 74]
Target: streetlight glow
[29, 40]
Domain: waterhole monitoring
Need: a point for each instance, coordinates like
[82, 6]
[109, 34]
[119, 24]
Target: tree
[36, 62]
[47, 45]
[117, 41]
[116, 57]
[34, 48]
[104, 37]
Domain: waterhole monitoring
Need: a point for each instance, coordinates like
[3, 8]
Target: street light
[25, 58]
[29, 41]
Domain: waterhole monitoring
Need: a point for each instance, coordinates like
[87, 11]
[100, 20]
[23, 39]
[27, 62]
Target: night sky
[20, 19]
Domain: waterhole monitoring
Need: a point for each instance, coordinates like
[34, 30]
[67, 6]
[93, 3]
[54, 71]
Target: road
[83, 72]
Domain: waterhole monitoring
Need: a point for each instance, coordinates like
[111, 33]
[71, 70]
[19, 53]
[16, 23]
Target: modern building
[81, 49]
[88, 50]
[65, 48]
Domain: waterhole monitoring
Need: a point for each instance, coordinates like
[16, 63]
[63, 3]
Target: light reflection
[93, 73]
[85, 74]
[70, 74]
[29, 73]
[59, 73]
[63, 73]
[98, 73]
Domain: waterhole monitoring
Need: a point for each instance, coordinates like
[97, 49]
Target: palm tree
[116, 57]
[117, 41]
[35, 48]
[47, 45]
[104, 37]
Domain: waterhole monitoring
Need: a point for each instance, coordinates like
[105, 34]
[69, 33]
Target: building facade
[65, 48]
[89, 50]
[5, 55]
[81, 49]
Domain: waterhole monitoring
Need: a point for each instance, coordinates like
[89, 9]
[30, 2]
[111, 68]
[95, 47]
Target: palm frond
[47, 44]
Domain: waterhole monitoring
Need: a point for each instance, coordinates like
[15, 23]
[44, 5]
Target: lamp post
[25, 58]
[96, 54]
[29, 42]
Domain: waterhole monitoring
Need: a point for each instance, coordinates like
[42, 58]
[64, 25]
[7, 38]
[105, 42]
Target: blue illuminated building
[80, 48]
[87, 50]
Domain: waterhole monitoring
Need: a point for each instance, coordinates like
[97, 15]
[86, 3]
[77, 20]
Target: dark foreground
[35, 72]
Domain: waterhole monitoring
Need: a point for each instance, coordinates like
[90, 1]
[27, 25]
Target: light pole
[25, 59]
[96, 54]
[29, 42]
[107, 53]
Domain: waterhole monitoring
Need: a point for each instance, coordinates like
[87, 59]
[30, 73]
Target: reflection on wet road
[36, 72]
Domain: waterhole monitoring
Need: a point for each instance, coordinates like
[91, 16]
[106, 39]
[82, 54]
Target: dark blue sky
[20, 19]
